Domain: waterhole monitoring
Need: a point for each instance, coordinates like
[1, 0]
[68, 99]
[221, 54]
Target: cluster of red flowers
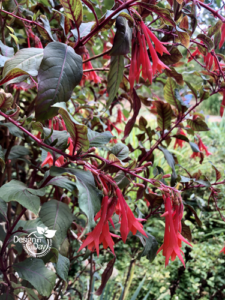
[101, 233]
[140, 56]
[202, 147]
[57, 124]
[91, 75]
[179, 142]
[171, 246]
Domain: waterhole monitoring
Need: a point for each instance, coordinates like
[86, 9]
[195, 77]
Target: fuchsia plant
[68, 104]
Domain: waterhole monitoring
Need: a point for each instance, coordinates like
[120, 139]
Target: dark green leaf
[2, 160]
[172, 96]
[198, 124]
[115, 77]
[60, 71]
[150, 246]
[120, 150]
[173, 73]
[62, 267]
[88, 196]
[13, 129]
[63, 182]
[18, 152]
[194, 147]
[169, 158]
[98, 139]
[3, 208]
[164, 115]
[57, 216]
[122, 39]
[207, 41]
[174, 57]
[19, 192]
[34, 271]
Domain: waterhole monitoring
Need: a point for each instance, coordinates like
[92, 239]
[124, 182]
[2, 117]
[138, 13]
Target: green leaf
[207, 41]
[13, 129]
[25, 62]
[84, 29]
[122, 39]
[115, 77]
[172, 96]
[98, 139]
[137, 292]
[73, 10]
[203, 182]
[18, 152]
[184, 37]
[198, 124]
[181, 137]
[120, 150]
[57, 216]
[169, 158]
[88, 195]
[194, 92]
[34, 271]
[164, 114]
[174, 57]
[47, 34]
[19, 192]
[63, 182]
[78, 132]
[3, 208]
[215, 28]
[173, 73]
[60, 71]
[162, 12]
[194, 147]
[6, 51]
[62, 267]
[150, 246]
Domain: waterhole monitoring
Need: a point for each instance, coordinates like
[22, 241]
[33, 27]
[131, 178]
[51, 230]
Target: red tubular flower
[128, 222]
[172, 236]
[140, 56]
[203, 147]
[222, 36]
[222, 104]
[178, 142]
[101, 233]
[223, 250]
[49, 160]
[92, 75]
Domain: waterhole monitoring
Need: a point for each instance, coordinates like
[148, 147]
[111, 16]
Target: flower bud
[6, 100]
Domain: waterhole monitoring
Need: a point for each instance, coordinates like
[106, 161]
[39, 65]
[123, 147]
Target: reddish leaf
[136, 108]
[105, 276]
